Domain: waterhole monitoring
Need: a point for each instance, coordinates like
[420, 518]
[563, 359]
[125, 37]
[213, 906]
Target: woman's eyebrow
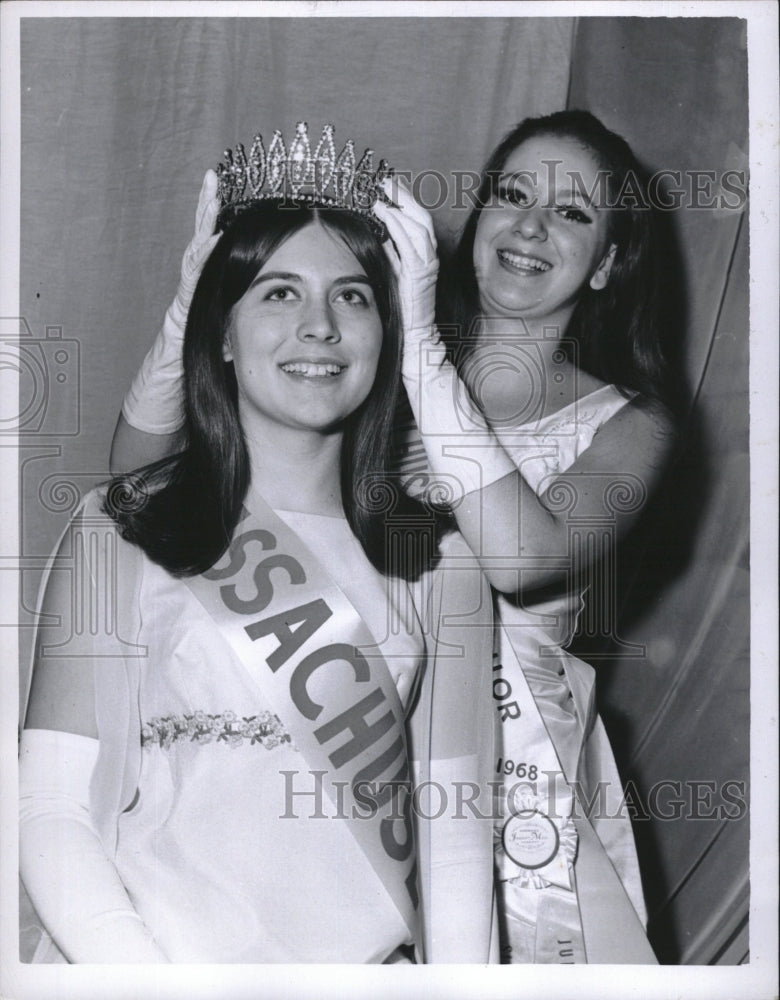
[517, 177]
[276, 276]
[347, 279]
[351, 279]
[526, 180]
[574, 193]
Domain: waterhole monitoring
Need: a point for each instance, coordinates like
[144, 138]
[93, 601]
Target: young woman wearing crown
[224, 727]
[552, 296]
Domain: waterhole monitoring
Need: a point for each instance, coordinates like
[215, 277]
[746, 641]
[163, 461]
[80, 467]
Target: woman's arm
[131, 448]
[62, 695]
[152, 409]
[452, 727]
[523, 541]
[71, 881]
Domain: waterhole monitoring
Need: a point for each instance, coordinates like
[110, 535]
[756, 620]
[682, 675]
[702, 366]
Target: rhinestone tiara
[298, 175]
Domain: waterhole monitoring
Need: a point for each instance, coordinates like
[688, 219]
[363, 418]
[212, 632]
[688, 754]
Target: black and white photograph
[388, 409]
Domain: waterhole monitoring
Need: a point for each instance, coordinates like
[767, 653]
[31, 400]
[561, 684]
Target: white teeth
[519, 260]
[311, 370]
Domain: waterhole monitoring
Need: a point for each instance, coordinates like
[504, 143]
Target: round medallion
[530, 839]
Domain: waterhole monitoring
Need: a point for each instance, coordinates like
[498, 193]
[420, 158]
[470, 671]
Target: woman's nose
[530, 224]
[318, 324]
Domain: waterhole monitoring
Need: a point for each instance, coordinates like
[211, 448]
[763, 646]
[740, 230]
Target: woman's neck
[543, 337]
[524, 370]
[297, 470]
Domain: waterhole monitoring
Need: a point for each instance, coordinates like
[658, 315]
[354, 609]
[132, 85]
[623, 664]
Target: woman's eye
[279, 294]
[572, 214]
[353, 297]
[512, 195]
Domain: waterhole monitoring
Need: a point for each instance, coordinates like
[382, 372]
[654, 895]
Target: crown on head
[296, 174]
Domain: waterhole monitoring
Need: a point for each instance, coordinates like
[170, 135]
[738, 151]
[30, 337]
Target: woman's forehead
[553, 163]
[313, 247]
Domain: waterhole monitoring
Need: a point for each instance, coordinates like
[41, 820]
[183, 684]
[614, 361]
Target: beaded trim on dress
[265, 729]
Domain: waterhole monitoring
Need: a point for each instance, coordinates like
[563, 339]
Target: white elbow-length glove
[74, 886]
[154, 400]
[462, 451]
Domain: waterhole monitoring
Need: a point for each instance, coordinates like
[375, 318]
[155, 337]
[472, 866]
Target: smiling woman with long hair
[223, 402]
[539, 391]
[547, 406]
[222, 772]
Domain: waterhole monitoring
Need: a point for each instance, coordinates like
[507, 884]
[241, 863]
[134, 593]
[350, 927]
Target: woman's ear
[600, 276]
[227, 349]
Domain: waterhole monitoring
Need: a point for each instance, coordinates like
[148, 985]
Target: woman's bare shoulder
[89, 577]
[639, 437]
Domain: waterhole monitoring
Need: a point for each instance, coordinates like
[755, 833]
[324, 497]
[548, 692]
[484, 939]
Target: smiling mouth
[522, 263]
[310, 369]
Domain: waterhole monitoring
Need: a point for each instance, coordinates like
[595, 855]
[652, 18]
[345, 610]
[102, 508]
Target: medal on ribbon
[534, 849]
[536, 845]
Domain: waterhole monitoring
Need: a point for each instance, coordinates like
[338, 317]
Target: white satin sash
[577, 909]
[537, 845]
[302, 642]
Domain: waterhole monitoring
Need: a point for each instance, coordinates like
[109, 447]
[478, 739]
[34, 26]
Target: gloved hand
[202, 243]
[75, 887]
[463, 454]
[154, 401]
[412, 254]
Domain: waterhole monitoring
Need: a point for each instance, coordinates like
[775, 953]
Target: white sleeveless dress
[563, 689]
[225, 849]
[201, 798]
[563, 685]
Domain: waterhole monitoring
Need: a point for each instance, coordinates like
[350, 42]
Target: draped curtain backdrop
[120, 118]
